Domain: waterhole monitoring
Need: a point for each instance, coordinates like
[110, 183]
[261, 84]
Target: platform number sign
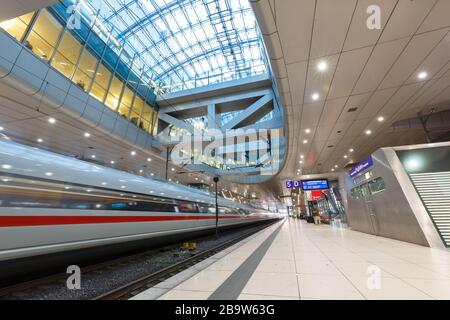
[293, 184]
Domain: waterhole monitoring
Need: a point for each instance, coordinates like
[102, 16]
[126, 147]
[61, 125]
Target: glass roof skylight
[183, 44]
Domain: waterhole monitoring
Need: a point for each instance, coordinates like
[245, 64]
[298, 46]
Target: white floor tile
[185, 295]
[273, 284]
[438, 289]
[327, 287]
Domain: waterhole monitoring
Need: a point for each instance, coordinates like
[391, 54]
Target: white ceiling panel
[329, 33]
[359, 34]
[438, 17]
[417, 50]
[406, 19]
[294, 20]
[376, 103]
[297, 78]
[383, 57]
[350, 66]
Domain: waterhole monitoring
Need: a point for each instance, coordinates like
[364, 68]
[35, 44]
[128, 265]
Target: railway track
[132, 288]
[144, 283]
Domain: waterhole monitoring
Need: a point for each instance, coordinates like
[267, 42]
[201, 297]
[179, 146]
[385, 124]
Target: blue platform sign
[361, 167]
[311, 185]
[297, 184]
[289, 184]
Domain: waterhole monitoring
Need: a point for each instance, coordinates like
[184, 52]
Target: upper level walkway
[296, 260]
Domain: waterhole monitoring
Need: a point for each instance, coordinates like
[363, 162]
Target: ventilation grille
[434, 189]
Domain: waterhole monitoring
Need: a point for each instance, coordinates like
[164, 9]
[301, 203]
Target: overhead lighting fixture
[336, 166]
[368, 132]
[422, 75]
[152, 174]
[149, 160]
[345, 156]
[49, 174]
[93, 156]
[322, 66]
[133, 153]
[87, 135]
[40, 140]
[51, 120]
[1, 128]
[305, 141]
[6, 166]
[140, 171]
[308, 131]
[173, 169]
[333, 170]
[380, 119]
[112, 162]
[352, 150]
[302, 156]
[315, 96]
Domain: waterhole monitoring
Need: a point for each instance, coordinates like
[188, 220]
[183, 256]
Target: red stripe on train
[29, 221]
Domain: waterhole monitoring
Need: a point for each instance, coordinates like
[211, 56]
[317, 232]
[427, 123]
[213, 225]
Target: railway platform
[295, 260]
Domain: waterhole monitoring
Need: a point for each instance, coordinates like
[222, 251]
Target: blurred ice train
[51, 203]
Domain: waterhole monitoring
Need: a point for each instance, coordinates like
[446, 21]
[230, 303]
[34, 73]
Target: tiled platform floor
[306, 261]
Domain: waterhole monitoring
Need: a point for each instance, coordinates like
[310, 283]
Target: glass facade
[83, 57]
[181, 44]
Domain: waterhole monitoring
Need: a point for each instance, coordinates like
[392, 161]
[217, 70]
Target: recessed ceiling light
[93, 156]
[1, 128]
[422, 75]
[140, 171]
[49, 174]
[149, 160]
[302, 156]
[305, 141]
[52, 120]
[173, 169]
[322, 66]
[6, 166]
[308, 130]
[336, 166]
[332, 170]
[112, 162]
[380, 119]
[87, 134]
[315, 96]
[345, 156]
[369, 132]
[352, 150]
[133, 153]
[104, 183]
[40, 140]
[152, 174]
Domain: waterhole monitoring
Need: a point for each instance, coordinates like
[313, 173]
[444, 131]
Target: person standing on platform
[316, 216]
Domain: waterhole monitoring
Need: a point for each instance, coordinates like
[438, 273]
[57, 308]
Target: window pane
[67, 55]
[101, 83]
[112, 101]
[44, 36]
[137, 110]
[125, 105]
[16, 27]
[85, 71]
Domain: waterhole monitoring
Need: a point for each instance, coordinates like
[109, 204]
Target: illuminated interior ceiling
[189, 42]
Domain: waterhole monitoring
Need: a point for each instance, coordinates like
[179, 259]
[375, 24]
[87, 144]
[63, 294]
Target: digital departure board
[320, 184]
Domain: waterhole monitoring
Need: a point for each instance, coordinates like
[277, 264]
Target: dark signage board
[311, 185]
[361, 167]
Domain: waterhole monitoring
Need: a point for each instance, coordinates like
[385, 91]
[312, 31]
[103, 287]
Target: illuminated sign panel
[361, 167]
[321, 184]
